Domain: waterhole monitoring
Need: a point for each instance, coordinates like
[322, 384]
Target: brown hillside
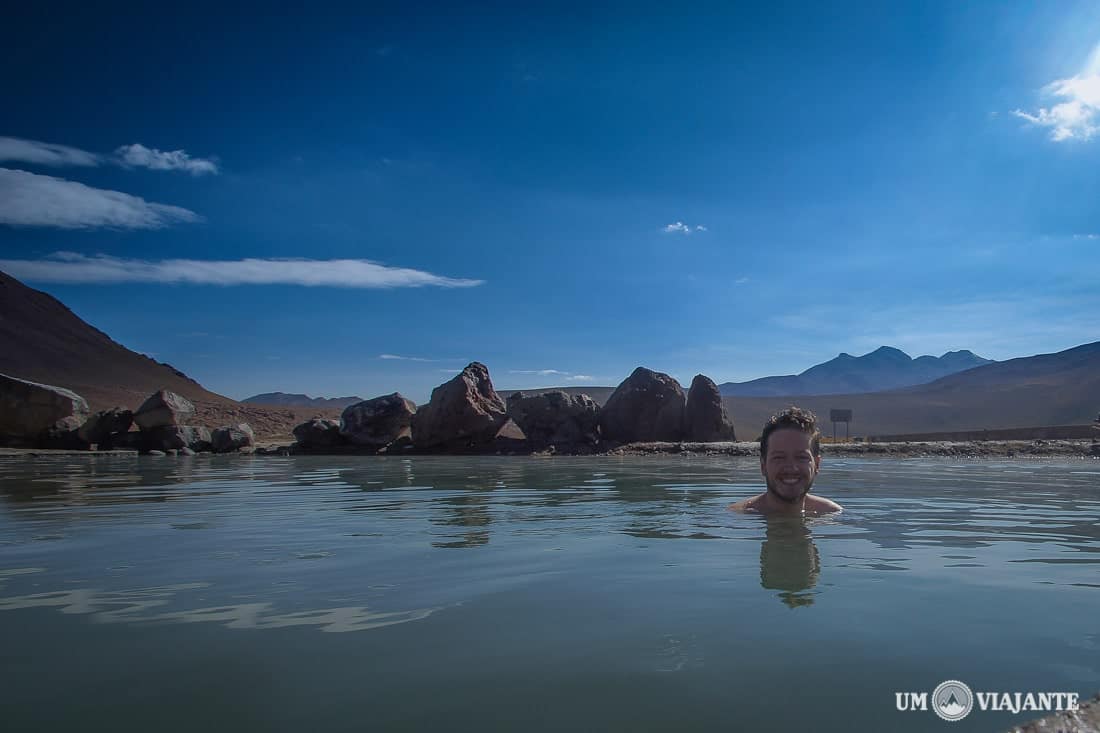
[43, 341]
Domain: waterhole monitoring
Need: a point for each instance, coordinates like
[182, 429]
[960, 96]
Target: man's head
[790, 454]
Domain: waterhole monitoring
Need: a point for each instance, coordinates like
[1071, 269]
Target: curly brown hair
[795, 418]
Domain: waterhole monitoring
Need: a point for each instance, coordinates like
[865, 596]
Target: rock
[28, 411]
[1086, 719]
[185, 451]
[155, 453]
[102, 425]
[64, 434]
[557, 419]
[648, 406]
[705, 418]
[232, 437]
[463, 413]
[125, 441]
[401, 445]
[169, 437]
[318, 433]
[379, 421]
[163, 409]
[509, 439]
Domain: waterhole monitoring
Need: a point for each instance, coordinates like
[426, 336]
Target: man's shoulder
[821, 505]
[745, 505]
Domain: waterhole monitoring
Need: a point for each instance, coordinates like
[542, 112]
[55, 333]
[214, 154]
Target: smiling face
[789, 466]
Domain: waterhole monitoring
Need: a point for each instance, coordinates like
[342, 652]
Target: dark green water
[477, 594]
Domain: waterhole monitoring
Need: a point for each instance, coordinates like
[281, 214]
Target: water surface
[352, 593]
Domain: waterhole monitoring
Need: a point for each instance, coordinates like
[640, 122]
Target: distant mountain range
[282, 399]
[882, 369]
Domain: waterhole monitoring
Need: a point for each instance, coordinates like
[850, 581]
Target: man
[790, 458]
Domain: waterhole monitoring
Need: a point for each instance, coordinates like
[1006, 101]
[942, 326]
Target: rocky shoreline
[969, 449]
[648, 413]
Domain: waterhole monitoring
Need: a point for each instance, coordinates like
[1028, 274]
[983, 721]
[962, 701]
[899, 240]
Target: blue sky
[563, 193]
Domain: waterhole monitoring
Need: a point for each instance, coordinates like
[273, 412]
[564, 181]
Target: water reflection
[789, 560]
[469, 511]
[134, 606]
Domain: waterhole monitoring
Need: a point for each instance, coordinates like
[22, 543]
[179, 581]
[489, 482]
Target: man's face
[790, 466]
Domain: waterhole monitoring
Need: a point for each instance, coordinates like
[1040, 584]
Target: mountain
[43, 341]
[282, 399]
[882, 369]
[1062, 388]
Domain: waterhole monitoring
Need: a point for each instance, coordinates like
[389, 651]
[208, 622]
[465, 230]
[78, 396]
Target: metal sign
[840, 416]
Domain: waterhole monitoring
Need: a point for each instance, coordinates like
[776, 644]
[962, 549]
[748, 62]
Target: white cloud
[680, 227]
[740, 281]
[33, 200]
[1076, 117]
[1086, 236]
[405, 358]
[135, 155]
[33, 151]
[567, 376]
[68, 267]
[139, 156]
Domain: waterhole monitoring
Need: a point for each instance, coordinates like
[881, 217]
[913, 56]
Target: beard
[773, 490]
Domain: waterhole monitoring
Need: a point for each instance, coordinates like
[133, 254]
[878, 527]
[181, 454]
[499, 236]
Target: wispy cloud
[33, 151]
[567, 376]
[68, 267]
[1075, 118]
[680, 227]
[394, 356]
[1086, 236]
[134, 155]
[139, 156]
[33, 200]
[740, 281]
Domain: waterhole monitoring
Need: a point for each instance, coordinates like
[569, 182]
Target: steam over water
[589, 593]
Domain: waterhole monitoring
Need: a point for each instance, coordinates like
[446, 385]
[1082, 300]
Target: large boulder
[318, 433]
[379, 421]
[232, 437]
[556, 419]
[32, 413]
[647, 406]
[131, 440]
[162, 409]
[174, 437]
[465, 412]
[705, 418]
[100, 427]
[64, 434]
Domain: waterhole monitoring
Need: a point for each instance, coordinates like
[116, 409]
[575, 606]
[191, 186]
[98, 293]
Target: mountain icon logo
[952, 700]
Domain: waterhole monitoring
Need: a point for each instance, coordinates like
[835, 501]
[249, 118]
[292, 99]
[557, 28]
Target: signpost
[844, 416]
